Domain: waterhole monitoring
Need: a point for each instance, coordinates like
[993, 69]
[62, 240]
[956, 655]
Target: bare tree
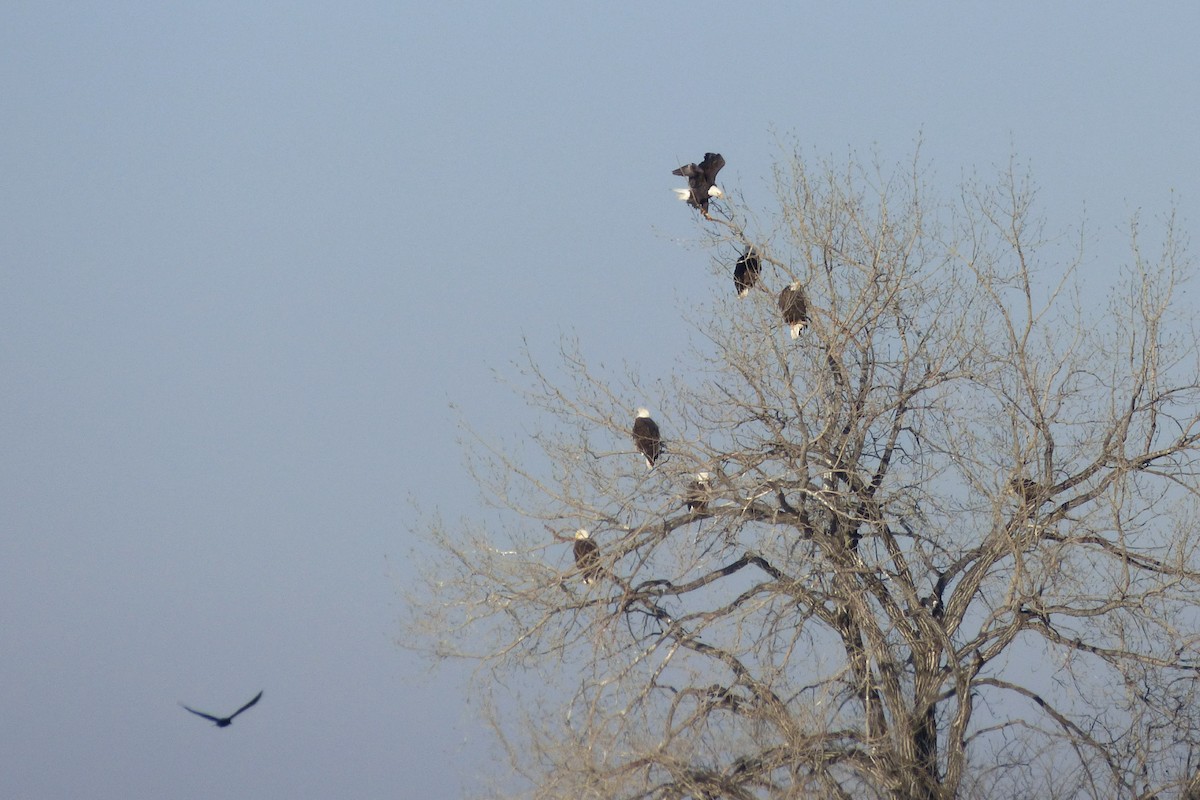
[947, 545]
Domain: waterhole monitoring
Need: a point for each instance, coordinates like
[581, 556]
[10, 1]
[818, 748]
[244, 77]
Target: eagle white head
[702, 477]
[715, 191]
[641, 412]
[581, 534]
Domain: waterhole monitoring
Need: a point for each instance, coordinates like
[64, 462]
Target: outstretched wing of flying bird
[243, 708]
[217, 720]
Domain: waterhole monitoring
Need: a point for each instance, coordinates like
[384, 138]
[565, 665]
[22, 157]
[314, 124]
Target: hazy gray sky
[250, 254]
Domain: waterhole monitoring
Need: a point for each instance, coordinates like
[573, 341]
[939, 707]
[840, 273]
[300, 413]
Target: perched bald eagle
[587, 556]
[746, 272]
[698, 490]
[702, 181]
[647, 437]
[1029, 491]
[794, 308]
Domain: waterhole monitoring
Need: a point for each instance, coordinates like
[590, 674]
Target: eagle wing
[202, 714]
[243, 708]
[711, 165]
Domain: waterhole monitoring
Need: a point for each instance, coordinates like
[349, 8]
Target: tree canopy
[948, 542]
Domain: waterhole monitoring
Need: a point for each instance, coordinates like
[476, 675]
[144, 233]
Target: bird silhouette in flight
[224, 722]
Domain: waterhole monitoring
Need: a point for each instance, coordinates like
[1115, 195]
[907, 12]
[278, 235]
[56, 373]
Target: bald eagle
[647, 437]
[794, 308]
[702, 181]
[698, 490]
[587, 556]
[1029, 491]
[746, 271]
[224, 722]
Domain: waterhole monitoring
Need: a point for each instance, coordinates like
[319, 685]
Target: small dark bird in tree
[697, 492]
[746, 272]
[1029, 491]
[224, 722]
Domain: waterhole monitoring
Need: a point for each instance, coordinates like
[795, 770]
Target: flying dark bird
[794, 308]
[647, 437]
[224, 722]
[702, 181]
[698, 490]
[746, 272]
[587, 556]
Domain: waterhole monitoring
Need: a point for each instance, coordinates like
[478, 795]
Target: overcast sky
[251, 253]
